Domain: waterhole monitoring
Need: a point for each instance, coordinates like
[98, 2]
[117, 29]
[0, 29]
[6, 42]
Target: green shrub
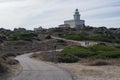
[81, 36]
[61, 41]
[109, 54]
[48, 37]
[79, 51]
[67, 58]
[26, 36]
[100, 51]
[100, 47]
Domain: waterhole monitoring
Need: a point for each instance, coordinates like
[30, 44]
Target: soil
[86, 72]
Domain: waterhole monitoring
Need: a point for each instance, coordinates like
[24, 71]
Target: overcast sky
[50, 13]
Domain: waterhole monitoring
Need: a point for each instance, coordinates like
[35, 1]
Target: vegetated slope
[17, 34]
[18, 41]
[111, 35]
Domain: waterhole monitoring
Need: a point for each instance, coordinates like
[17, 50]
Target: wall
[70, 22]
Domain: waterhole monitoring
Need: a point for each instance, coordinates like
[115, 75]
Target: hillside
[67, 40]
[111, 35]
[21, 40]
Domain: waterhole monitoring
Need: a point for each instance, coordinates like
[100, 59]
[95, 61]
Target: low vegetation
[98, 37]
[99, 51]
[17, 34]
[104, 34]
[77, 53]
[26, 36]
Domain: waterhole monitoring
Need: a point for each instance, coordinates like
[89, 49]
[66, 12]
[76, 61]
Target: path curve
[39, 70]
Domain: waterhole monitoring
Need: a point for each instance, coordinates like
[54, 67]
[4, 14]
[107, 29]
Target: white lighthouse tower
[76, 15]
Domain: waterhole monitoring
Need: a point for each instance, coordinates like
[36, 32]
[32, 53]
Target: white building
[75, 22]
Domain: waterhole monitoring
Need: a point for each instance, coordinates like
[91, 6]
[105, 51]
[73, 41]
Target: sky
[31, 14]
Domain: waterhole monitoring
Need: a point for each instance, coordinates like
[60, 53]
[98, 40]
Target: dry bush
[34, 55]
[45, 56]
[11, 61]
[11, 55]
[3, 68]
[99, 63]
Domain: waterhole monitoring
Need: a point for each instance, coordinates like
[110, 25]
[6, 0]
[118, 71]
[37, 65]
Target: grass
[99, 51]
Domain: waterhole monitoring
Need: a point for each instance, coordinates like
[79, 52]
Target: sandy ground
[83, 72]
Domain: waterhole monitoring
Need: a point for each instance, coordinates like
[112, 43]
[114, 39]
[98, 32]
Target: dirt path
[39, 70]
[82, 43]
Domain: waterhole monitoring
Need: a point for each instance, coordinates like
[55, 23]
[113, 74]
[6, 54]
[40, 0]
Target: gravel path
[39, 70]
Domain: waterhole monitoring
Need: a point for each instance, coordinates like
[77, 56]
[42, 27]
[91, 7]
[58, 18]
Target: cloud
[35, 13]
[112, 22]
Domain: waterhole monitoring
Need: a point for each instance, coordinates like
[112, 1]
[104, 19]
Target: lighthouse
[76, 22]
